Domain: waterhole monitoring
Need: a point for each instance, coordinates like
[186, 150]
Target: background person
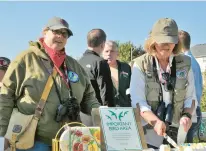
[120, 73]
[185, 40]
[97, 68]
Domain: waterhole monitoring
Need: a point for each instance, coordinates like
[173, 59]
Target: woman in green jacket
[27, 75]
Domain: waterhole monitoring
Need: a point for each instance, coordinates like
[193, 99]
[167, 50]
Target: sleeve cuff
[144, 108]
[188, 104]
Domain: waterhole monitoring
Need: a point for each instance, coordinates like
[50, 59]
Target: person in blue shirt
[185, 39]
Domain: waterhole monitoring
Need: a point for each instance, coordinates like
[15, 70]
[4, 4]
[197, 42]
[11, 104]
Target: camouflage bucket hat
[165, 30]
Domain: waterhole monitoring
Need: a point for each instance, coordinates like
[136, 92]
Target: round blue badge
[181, 74]
[73, 77]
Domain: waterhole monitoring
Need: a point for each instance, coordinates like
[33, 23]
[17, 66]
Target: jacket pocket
[178, 104]
[180, 91]
[152, 91]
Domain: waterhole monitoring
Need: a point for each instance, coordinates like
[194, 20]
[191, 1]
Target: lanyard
[64, 75]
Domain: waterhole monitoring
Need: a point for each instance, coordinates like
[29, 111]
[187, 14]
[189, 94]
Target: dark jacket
[122, 95]
[100, 76]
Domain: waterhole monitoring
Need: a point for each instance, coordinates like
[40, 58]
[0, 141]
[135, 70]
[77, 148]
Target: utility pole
[131, 52]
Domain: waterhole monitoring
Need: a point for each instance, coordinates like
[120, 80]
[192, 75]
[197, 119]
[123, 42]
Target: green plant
[203, 102]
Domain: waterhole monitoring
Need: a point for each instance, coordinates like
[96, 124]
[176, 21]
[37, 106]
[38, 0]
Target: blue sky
[22, 22]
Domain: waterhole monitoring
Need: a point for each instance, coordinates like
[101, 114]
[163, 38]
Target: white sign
[120, 129]
[1, 143]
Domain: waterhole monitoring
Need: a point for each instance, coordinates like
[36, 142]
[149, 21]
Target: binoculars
[69, 108]
[170, 81]
[165, 113]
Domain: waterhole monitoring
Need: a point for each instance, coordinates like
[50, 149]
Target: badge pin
[73, 77]
[181, 74]
[124, 74]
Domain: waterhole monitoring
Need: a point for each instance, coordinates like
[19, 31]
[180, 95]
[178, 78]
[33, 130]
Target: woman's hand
[160, 128]
[186, 122]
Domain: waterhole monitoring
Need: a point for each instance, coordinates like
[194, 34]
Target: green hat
[4, 63]
[56, 23]
[165, 30]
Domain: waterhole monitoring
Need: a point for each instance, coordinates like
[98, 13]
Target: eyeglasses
[169, 81]
[60, 32]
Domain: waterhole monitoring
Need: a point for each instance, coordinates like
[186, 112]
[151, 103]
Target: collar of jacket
[38, 49]
[91, 52]
[118, 64]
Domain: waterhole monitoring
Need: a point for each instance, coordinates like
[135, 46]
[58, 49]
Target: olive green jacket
[24, 83]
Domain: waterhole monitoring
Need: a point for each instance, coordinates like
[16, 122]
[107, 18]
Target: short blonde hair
[45, 29]
[149, 47]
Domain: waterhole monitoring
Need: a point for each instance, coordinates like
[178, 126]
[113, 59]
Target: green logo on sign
[116, 116]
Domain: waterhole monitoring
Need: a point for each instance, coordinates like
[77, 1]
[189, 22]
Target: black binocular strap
[160, 98]
[173, 75]
[58, 93]
[57, 90]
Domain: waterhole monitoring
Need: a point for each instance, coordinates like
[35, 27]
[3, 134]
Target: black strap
[57, 90]
[157, 80]
[58, 93]
[173, 77]
[173, 69]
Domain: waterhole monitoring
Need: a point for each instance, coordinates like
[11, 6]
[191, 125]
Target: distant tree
[138, 52]
[125, 51]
